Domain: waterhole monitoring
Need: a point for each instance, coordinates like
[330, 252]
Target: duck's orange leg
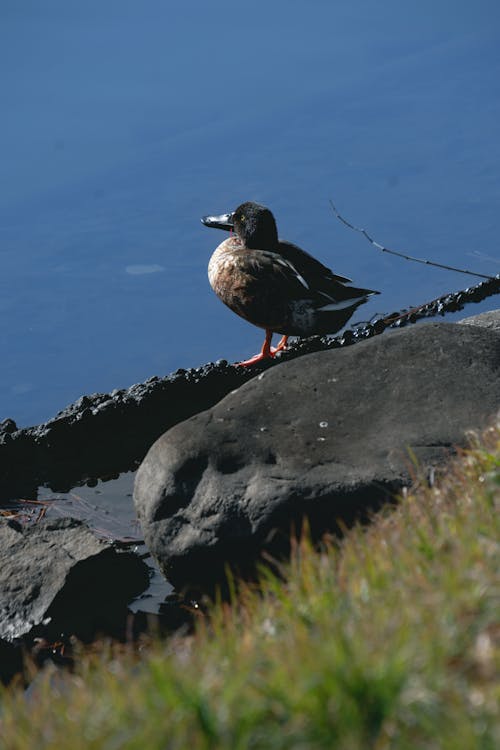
[265, 353]
[281, 344]
[267, 350]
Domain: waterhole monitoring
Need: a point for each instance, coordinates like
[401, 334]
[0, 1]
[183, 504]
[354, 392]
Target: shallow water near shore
[108, 509]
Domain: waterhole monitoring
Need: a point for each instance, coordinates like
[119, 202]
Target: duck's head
[253, 223]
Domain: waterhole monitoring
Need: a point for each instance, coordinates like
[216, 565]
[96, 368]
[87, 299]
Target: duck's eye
[243, 219]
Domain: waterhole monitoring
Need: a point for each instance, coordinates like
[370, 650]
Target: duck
[274, 284]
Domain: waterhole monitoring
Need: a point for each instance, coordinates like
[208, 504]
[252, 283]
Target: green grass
[389, 640]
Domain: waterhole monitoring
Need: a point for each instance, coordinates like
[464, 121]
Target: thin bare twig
[402, 255]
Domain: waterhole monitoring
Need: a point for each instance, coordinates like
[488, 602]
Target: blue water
[123, 122]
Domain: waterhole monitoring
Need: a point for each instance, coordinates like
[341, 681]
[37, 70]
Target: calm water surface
[124, 122]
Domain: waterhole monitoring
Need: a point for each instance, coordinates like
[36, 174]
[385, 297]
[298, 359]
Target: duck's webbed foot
[256, 358]
[282, 344]
[267, 350]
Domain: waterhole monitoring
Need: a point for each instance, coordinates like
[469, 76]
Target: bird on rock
[274, 284]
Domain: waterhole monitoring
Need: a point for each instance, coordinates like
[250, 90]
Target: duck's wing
[307, 265]
[320, 280]
[277, 276]
[270, 268]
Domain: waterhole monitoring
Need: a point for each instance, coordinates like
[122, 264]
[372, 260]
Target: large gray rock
[321, 436]
[58, 576]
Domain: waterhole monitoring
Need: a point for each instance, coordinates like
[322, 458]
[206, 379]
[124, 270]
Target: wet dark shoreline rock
[81, 441]
[58, 576]
[324, 437]
[11, 660]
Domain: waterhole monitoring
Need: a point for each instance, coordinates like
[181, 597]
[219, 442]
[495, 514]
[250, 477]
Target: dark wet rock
[7, 427]
[490, 320]
[81, 441]
[325, 437]
[58, 577]
[11, 662]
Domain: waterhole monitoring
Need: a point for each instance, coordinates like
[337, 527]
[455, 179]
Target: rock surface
[490, 320]
[57, 576]
[81, 443]
[323, 437]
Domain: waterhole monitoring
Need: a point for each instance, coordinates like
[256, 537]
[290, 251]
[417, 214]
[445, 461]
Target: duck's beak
[224, 221]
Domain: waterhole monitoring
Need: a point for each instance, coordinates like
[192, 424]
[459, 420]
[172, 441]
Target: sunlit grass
[388, 640]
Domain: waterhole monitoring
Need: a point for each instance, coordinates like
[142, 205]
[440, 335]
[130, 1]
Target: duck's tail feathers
[343, 304]
[347, 296]
[333, 316]
[358, 292]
